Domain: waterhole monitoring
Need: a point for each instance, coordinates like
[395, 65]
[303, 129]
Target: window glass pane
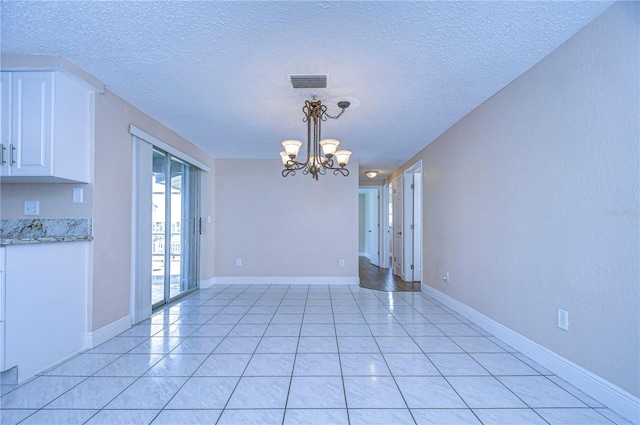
[158, 219]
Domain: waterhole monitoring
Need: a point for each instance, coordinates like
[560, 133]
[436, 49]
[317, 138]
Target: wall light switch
[31, 207]
[238, 262]
[208, 219]
[78, 195]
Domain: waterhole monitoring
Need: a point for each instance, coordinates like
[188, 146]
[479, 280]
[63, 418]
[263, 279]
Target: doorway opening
[369, 223]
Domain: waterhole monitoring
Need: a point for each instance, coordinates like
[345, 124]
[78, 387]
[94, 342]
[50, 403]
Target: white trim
[288, 280]
[141, 258]
[204, 284]
[610, 395]
[107, 332]
[167, 148]
[20, 62]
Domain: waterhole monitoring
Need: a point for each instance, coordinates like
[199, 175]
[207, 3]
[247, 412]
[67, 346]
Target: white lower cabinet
[45, 304]
[2, 310]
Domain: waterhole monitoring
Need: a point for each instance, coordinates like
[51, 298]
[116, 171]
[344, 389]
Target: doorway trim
[412, 227]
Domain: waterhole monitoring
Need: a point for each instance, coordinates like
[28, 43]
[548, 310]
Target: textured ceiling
[216, 72]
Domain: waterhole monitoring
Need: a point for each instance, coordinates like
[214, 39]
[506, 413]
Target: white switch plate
[238, 261]
[446, 277]
[563, 320]
[78, 195]
[31, 207]
[341, 263]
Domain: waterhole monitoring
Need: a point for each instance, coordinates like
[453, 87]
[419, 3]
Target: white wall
[289, 227]
[531, 202]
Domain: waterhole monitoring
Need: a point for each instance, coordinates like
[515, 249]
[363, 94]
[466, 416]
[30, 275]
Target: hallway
[379, 279]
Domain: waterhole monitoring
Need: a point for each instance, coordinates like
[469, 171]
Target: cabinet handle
[12, 149]
[2, 149]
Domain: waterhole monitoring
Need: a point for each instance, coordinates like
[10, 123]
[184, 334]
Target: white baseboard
[204, 284]
[288, 280]
[107, 332]
[610, 395]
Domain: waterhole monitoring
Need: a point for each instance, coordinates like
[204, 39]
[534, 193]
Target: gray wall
[531, 201]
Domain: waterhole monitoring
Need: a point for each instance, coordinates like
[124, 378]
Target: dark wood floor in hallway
[373, 277]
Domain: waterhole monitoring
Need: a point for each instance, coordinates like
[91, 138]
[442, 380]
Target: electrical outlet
[341, 263]
[238, 262]
[446, 277]
[563, 320]
[31, 207]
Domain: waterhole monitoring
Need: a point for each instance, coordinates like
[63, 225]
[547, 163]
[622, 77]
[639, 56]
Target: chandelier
[316, 162]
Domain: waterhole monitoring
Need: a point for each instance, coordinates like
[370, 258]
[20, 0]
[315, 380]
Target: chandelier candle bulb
[329, 147]
[343, 157]
[292, 147]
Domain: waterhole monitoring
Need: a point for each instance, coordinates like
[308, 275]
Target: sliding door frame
[142, 150]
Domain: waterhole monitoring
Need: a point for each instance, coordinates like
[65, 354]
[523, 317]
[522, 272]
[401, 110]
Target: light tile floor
[279, 354]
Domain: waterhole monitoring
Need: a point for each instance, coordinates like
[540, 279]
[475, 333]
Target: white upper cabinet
[46, 128]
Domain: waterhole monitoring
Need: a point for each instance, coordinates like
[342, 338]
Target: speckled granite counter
[39, 230]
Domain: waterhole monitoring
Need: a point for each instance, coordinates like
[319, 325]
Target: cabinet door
[5, 121]
[31, 129]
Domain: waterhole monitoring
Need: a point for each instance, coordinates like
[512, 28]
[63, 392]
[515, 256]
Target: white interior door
[385, 229]
[374, 227]
[412, 240]
[407, 228]
[398, 220]
[417, 227]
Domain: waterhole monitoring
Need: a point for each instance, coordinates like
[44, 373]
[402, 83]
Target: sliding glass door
[175, 228]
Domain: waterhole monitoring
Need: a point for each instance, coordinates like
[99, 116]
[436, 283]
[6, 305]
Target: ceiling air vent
[318, 81]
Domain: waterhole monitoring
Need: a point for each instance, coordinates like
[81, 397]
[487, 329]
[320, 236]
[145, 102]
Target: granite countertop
[30, 231]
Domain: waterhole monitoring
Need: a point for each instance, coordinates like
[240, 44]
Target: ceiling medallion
[316, 162]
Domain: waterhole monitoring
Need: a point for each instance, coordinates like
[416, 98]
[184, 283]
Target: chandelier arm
[342, 171]
[329, 163]
[288, 171]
